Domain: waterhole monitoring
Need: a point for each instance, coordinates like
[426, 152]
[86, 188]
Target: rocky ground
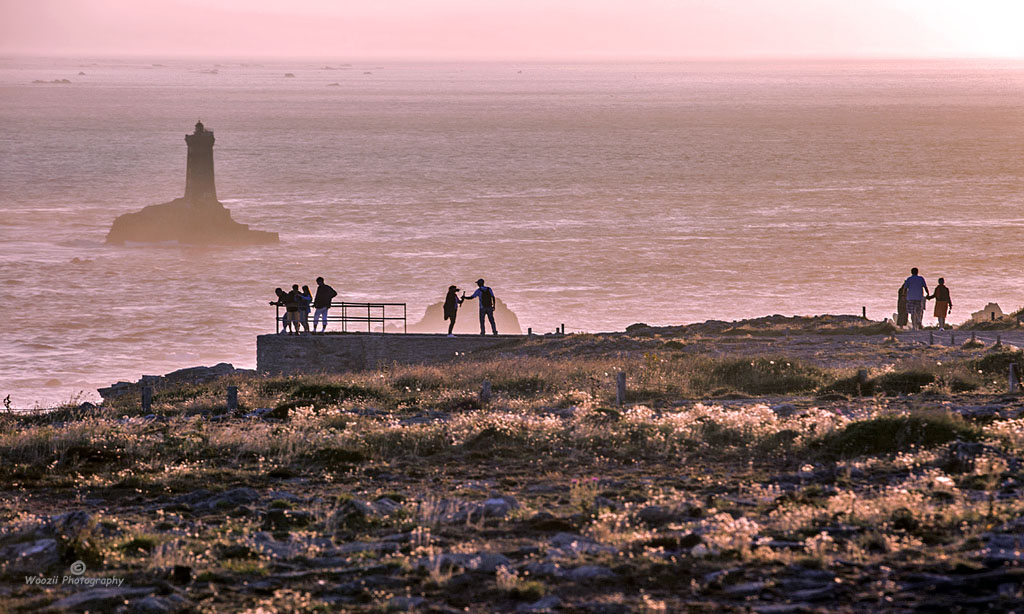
[752, 469]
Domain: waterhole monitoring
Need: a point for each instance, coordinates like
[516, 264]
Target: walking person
[451, 307]
[486, 296]
[917, 289]
[943, 304]
[322, 302]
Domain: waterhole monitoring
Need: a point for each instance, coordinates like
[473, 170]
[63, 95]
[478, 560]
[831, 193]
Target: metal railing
[358, 313]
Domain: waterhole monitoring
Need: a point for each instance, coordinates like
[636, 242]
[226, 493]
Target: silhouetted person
[324, 295]
[486, 296]
[901, 307]
[917, 289]
[451, 307]
[283, 299]
[943, 304]
[297, 304]
[305, 299]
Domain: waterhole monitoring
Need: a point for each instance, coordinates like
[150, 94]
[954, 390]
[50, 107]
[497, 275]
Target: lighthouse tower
[199, 185]
[195, 219]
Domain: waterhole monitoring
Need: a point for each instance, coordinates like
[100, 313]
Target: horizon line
[573, 59]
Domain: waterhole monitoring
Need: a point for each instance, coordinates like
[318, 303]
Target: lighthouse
[197, 218]
[199, 185]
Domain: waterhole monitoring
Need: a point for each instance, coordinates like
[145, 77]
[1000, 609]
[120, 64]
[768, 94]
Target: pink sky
[515, 29]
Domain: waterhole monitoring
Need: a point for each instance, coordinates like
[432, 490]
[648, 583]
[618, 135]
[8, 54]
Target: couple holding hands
[453, 300]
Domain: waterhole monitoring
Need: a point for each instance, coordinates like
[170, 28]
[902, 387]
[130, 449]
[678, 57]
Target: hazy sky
[515, 29]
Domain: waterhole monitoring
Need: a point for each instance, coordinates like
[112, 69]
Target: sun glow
[982, 28]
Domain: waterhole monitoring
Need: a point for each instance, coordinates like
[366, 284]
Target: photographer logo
[75, 579]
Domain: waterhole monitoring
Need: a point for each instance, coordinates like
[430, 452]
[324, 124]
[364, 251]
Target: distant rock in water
[468, 320]
[186, 222]
[197, 218]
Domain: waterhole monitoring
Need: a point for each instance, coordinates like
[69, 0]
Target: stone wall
[341, 352]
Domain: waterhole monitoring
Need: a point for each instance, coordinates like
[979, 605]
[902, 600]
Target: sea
[592, 195]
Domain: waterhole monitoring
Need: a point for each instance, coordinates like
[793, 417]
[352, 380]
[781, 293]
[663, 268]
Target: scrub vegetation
[732, 481]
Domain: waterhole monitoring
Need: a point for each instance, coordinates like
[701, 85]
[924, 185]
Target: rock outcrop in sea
[197, 218]
[468, 320]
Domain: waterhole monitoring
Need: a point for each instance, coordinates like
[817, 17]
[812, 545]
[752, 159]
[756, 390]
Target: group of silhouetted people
[297, 303]
[911, 303]
[912, 296]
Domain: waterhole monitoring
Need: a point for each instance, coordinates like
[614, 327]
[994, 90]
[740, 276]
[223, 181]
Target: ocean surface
[597, 195]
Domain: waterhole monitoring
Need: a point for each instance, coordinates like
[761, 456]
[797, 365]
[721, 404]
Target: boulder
[189, 375]
[197, 375]
[1001, 548]
[72, 526]
[100, 599]
[543, 605]
[591, 573]
[386, 506]
[115, 390]
[30, 557]
[499, 506]
[228, 500]
[157, 605]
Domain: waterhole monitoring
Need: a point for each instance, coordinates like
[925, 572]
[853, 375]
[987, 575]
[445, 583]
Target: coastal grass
[776, 487]
[343, 420]
[998, 362]
[894, 434]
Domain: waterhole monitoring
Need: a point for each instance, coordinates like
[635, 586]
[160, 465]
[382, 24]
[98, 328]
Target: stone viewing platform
[342, 352]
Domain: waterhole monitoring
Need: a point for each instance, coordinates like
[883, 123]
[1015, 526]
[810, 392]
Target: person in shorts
[282, 301]
[917, 290]
[301, 302]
